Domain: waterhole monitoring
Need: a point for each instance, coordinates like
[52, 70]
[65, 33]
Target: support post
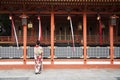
[52, 37]
[111, 43]
[24, 43]
[85, 36]
[24, 23]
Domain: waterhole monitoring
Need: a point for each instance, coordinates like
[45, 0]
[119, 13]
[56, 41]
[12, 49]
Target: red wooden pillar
[111, 43]
[52, 37]
[24, 23]
[85, 36]
[24, 43]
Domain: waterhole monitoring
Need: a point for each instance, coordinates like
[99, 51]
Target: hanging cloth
[13, 26]
[72, 33]
[40, 29]
[100, 31]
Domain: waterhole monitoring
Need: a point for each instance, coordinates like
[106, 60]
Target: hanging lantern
[24, 19]
[113, 20]
[30, 25]
[80, 26]
[103, 26]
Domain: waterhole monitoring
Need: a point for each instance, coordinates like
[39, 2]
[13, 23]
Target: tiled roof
[60, 5]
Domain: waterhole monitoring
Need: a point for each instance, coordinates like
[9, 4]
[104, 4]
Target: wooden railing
[91, 39]
[95, 39]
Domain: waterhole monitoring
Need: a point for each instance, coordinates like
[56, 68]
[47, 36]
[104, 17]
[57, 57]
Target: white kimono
[38, 51]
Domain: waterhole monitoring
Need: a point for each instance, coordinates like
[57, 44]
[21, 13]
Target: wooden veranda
[85, 11]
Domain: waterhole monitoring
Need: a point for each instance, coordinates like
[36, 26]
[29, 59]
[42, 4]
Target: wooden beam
[57, 12]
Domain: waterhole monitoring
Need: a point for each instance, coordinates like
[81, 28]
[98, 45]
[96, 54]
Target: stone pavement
[61, 74]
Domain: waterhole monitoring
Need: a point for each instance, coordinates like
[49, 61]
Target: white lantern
[80, 26]
[30, 25]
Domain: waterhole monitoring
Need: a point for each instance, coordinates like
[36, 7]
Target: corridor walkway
[61, 74]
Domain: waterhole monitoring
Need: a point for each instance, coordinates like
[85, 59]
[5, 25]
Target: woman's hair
[37, 42]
